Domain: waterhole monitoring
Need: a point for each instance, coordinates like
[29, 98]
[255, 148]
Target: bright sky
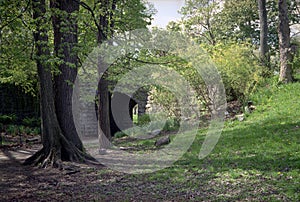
[167, 10]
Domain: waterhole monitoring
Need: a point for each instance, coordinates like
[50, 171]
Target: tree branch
[20, 15]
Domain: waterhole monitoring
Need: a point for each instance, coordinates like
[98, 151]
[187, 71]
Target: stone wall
[192, 110]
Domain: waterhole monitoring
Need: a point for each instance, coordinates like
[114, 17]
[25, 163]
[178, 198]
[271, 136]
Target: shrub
[143, 119]
[36, 131]
[8, 118]
[239, 69]
[12, 129]
[120, 134]
[32, 122]
[172, 124]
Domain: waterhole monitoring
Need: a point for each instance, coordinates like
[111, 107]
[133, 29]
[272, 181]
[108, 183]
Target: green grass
[257, 159]
[135, 118]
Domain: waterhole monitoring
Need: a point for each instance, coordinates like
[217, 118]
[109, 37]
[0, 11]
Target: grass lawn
[256, 159]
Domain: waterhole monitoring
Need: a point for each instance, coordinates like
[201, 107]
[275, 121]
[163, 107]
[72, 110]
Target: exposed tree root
[55, 155]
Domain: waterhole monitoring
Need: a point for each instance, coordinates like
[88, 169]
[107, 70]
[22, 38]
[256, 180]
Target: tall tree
[263, 22]
[105, 30]
[218, 20]
[56, 145]
[65, 42]
[199, 19]
[114, 16]
[284, 43]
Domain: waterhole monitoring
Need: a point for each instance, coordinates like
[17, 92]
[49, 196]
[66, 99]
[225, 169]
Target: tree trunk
[104, 131]
[105, 28]
[263, 22]
[65, 41]
[284, 43]
[55, 146]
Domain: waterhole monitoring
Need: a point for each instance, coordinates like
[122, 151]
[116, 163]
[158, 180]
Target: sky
[167, 10]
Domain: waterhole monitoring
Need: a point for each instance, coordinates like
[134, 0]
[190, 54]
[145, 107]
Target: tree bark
[56, 146]
[263, 22]
[65, 41]
[104, 131]
[105, 28]
[284, 43]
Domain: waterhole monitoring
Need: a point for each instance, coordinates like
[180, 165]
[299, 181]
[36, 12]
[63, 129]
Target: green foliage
[238, 67]
[166, 100]
[211, 21]
[32, 122]
[296, 64]
[135, 118]
[120, 135]
[17, 54]
[144, 119]
[33, 131]
[238, 20]
[172, 124]
[12, 129]
[199, 20]
[16, 46]
[127, 15]
[296, 55]
[8, 118]
[132, 14]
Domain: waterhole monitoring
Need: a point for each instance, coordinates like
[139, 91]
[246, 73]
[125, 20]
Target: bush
[166, 101]
[12, 129]
[172, 124]
[265, 90]
[143, 119]
[120, 134]
[8, 118]
[32, 122]
[36, 131]
[239, 68]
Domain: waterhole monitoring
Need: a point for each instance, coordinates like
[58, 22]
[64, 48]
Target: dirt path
[77, 182]
[25, 183]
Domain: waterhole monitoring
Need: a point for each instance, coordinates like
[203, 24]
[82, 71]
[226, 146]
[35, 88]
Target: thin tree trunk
[263, 22]
[104, 131]
[65, 41]
[284, 43]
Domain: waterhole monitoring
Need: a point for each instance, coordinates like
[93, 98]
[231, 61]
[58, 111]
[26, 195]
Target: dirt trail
[77, 182]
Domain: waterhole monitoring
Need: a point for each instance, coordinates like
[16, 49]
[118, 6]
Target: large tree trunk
[284, 43]
[56, 146]
[65, 41]
[263, 22]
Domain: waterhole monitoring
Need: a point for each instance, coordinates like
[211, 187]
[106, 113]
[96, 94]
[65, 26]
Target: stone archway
[123, 121]
[125, 113]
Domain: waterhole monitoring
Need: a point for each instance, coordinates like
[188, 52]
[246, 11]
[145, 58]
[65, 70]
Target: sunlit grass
[257, 159]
